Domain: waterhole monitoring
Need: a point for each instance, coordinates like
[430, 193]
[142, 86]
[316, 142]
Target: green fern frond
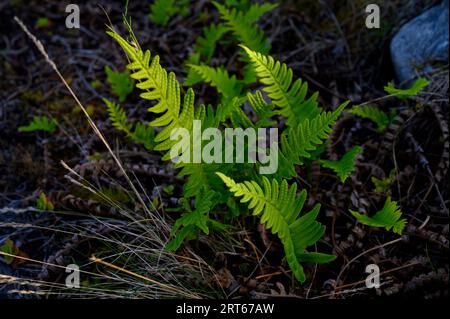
[162, 88]
[161, 11]
[298, 142]
[228, 86]
[415, 89]
[120, 82]
[257, 10]
[346, 165]
[372, 113]
[388, 217]
[193, 221]
[40, 123]
[245, 31]
[142, 134]
[117, 116]
[206, 44]
[279, 207]
[287, 95]
[263, 110]
[232, 109]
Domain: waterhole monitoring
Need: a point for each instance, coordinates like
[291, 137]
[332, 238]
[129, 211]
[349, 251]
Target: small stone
[420, 42]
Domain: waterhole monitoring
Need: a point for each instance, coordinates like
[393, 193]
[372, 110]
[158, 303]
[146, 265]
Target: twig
[167, 287]
[365, 252]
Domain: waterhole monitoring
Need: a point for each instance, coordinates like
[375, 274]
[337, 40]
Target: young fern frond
[279, 207]
[162, 88]
[142, 134]
[193, 221]
[388, 217]
[372, 113]
[297, 142]
[287, 95]
[40, 123]
[383, 185]
[245, 31]
[346, 165]
[117, 116]
[415, 89]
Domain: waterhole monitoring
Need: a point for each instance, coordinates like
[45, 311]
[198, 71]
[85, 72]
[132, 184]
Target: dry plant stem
[168, 287]
[100, 261]
[365, 252]
[41, 48]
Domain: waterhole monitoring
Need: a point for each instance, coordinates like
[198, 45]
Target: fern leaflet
[372, 113]
[345, 166]
[297, 142]
[121, 83]
[246, 31]
[162, 88]
[219, 78]
[279, 207]
[415, 89]
[288, 96]
[40, 123]
[388, 217]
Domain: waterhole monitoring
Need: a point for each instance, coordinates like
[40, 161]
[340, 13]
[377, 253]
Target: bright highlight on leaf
[161, 87]
[40, 123]
[287, 95]
[388, 217]
[279, 207]
[415, 88]
[345, 166]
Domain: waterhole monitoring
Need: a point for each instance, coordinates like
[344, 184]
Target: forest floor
[326, 45]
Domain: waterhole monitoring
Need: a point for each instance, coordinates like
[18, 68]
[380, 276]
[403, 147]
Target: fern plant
[40, 123]
[345, 166]
[388, 217]
[272, 199]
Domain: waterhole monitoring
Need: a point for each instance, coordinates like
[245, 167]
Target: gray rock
[420, 42]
